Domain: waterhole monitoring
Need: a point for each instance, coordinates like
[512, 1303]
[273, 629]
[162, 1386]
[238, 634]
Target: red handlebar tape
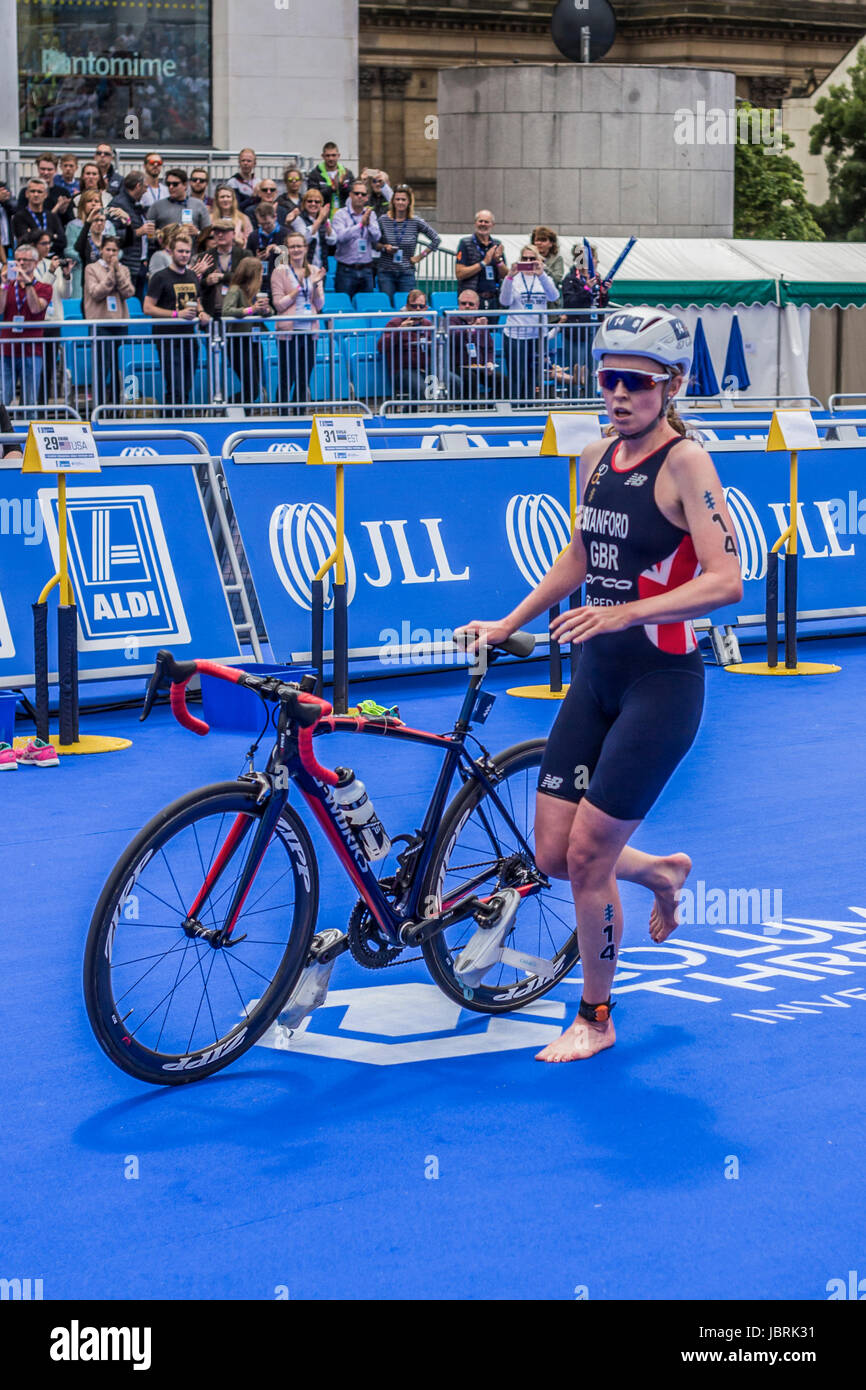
[178, 694]
[230, 673]
[180, 711]
[305, 742]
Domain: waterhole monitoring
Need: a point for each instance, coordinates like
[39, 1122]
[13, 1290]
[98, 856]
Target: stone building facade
[775, 51]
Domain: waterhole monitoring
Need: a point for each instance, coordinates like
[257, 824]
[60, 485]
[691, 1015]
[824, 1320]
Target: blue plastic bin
[8, 701]
[227, 706]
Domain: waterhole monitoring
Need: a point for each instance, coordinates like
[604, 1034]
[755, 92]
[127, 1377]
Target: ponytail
[673, 419]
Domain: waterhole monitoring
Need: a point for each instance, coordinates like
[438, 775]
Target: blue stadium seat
[200, 388]
[72, 308]
[352, 335]
[134, 307]
[338, 303]
[141, 361]
[372, 301]
[369, 375]
[270, 365]
[79, 355]
[443, 299]
[325, 388]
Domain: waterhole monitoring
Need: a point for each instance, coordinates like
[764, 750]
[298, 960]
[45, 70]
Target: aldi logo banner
[120, 566]
[7, 646]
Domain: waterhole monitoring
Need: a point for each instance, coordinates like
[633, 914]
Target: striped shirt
[404, 235]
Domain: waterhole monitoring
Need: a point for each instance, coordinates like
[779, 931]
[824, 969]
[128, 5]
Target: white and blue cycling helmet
[645, 332]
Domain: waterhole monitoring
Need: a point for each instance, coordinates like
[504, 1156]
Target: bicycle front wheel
[479, 852]
[169, 1007]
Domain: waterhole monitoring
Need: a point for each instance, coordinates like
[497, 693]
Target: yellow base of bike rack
[538, 692]
[803, 668]
[87, 743]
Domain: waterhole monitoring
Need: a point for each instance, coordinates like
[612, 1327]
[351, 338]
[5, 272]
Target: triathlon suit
[634, 705]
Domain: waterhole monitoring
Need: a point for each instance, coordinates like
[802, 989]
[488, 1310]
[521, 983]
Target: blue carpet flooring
[715, 1153]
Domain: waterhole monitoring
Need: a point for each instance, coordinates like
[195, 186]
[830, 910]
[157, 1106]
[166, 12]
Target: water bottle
[350, 794]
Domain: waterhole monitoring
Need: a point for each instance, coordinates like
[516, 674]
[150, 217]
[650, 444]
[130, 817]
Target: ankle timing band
[596, 1013]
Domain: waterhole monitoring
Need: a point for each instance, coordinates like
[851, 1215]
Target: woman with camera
[107, 287]
[245, 301]
[526, 287]
[299, 298]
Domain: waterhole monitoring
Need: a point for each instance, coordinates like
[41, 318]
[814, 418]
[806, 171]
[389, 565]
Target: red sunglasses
[632, 381]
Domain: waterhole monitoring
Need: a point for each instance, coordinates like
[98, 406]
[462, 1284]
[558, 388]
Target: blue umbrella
[703, 381]
[736, 374]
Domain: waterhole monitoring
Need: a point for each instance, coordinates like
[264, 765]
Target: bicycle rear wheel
[478, 853]
[168, 1007]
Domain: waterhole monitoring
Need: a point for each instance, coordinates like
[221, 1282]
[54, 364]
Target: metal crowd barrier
[427, 362]
[833, 403]
[172, 557]
[19, 163]
[147, 369]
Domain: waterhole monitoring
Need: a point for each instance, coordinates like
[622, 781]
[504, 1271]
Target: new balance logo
[550, 783]
[635, 479]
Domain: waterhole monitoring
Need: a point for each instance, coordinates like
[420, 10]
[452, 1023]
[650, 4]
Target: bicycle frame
[285, 766]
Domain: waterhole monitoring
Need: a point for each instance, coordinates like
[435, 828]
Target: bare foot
[583, 1039]
[673, 870]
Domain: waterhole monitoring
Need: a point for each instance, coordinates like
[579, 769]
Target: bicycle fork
[221, 936]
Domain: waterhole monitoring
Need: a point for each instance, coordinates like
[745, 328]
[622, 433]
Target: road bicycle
[205, 932]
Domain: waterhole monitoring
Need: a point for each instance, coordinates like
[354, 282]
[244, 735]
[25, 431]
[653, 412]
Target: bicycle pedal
[530, 965]
[484, 948]
[312, 988]
[328, 944]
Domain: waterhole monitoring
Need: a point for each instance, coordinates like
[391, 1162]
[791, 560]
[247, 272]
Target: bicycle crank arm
[413, 933]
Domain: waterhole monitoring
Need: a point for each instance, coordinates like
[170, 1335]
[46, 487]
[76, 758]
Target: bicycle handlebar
[306, 709]
[518, 644]
[303, 707]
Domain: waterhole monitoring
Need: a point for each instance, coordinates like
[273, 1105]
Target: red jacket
[407, 347]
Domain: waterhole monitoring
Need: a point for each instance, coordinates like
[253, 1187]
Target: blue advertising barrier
[434, 543]
[141, 561]
[487, 430]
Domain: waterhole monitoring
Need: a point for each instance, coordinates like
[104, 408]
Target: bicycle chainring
[366, 942]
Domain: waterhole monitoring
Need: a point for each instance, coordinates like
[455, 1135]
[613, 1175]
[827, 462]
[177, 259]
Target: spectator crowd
[164, 244]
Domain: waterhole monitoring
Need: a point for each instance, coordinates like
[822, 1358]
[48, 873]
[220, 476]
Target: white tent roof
[691, 270]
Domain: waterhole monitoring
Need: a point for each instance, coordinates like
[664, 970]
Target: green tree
[840, 135]
[770, 193]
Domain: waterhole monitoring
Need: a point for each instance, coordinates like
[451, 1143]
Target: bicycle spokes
[179, 981]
